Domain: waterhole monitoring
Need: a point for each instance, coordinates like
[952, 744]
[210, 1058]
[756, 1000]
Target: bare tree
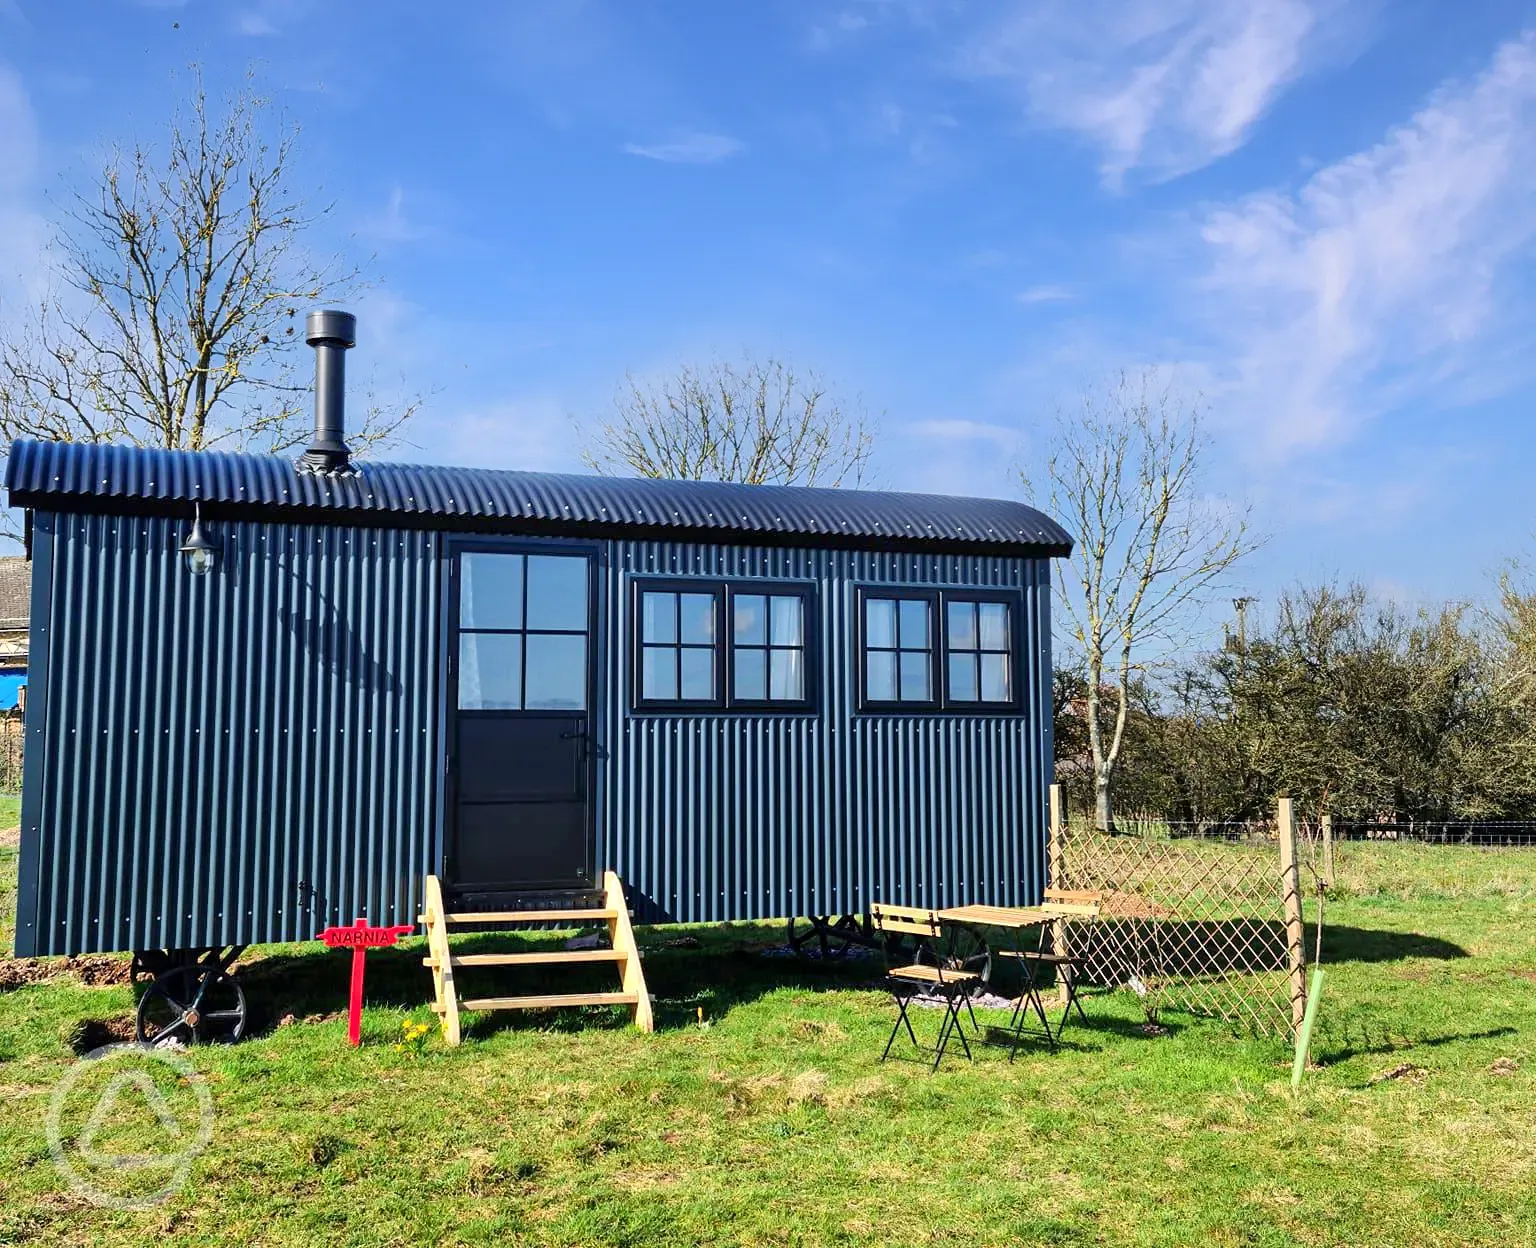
[761, 423]
[179, 279]
[1123, 474]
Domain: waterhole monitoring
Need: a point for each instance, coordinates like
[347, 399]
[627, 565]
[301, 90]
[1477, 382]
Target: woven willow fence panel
[1194, 918]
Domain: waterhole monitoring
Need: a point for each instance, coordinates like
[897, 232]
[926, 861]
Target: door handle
[578, 734]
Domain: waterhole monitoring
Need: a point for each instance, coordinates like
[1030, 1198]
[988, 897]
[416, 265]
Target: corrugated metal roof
[109, 479]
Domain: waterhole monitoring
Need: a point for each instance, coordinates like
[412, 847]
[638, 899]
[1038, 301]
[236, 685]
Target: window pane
[914, 624]
[490, 671]
[995, 683]
[557, 592]
[557, 673]
[880, 675]
[698, 675]
[696, 616]
[787, 622]
[751, 619]
[751, 675]
[962, 626]
[490, 591]
[994, 626]
[786, 669]
[914, 677]
[880, 623]
[962, 677]
[658, 673]
[658, 617]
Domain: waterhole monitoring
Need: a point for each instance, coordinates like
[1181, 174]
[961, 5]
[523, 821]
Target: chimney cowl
[331, 333]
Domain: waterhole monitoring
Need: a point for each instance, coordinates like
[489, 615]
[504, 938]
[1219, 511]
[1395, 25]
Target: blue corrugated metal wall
[239, 758]
[247, 757]
[712, 817]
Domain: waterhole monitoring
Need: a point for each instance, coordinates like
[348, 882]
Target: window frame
[806, 593]
[675, 585]
[724, 591]
[899, 593]
[941, 703]
[456, 630]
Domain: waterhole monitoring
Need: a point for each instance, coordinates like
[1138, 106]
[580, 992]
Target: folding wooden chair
[925, 973]
[1064, 905]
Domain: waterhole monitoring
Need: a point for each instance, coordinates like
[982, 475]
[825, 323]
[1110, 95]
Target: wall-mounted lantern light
[197, 550]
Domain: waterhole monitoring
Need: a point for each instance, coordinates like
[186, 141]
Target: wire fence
[1201, 917]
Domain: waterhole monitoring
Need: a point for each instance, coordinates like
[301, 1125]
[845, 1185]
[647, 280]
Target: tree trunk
[1103, 815]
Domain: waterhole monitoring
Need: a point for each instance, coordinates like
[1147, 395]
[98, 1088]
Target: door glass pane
[880, 623]
[751, 675]
[698, 676]
[557, 592]
[880, 675]
[914, 623]
[751, 627]
[962, 626]
[787, 623]
[962, 677]
[786, 671]
[658, 673]
[490, 671]
[490, 591]
[995, 684]
[696, 616]
[658, 617]
[914, 677]
[994, 626]
[557, 673]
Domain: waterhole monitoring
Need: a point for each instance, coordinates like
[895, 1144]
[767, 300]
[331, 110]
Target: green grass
[774, 1124]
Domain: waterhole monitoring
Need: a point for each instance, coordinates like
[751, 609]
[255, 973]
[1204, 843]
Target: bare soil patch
[92, 969]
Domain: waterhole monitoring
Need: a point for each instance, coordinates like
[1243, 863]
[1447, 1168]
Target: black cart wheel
[199, 1004]
[966, 949]
[828, 936]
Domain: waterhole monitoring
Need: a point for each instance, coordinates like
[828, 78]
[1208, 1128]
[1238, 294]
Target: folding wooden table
[1018, 920]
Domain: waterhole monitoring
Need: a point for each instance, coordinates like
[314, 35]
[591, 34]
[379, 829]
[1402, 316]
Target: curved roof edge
[99, 477]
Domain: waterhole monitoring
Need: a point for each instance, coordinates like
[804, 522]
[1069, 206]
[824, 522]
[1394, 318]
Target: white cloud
[390, 224]
[689, 149]
[1048, 292]
[1383, 276]
[957, 431]
[1161, 85]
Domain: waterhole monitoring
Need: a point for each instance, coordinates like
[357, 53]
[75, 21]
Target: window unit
[522, 632]
[714, 646]
[678, 626]
[938, 650]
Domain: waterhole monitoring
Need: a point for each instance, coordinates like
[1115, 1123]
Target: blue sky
[1318, 214]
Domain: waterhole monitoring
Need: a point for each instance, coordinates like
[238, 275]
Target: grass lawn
[772, 1123]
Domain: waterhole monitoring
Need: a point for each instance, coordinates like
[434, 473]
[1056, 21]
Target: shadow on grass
[715, 970]
[1356, 1038]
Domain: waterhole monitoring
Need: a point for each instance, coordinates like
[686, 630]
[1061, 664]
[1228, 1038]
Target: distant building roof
[121, 479]
[15, 592]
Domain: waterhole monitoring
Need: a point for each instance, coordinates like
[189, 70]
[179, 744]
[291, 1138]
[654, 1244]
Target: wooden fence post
[1054, 879]
[1290, 892]
[1328, 850]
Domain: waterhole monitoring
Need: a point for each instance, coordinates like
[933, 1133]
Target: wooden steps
[563, 918]
[549, 1002]
[531, 959]
[623, 953]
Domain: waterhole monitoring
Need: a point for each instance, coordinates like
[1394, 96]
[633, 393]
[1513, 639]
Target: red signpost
[360, 938]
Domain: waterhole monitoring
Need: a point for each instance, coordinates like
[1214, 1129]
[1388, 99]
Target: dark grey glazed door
[521, 692]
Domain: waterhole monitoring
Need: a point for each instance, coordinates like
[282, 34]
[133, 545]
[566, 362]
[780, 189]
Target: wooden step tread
[528, 916]
[529, 959]
[549, 1001]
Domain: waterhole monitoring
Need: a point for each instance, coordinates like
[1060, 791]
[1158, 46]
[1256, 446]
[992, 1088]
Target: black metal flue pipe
[331, 334]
